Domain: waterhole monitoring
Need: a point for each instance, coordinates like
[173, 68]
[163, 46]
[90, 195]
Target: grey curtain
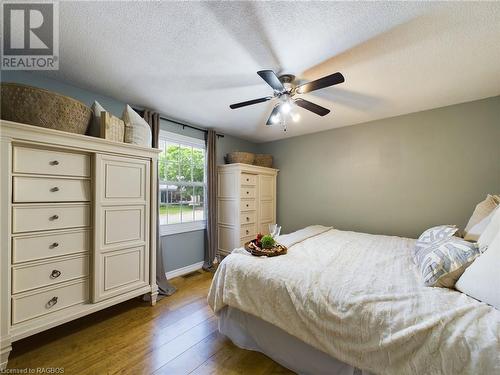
[211, 231]
[164, 287]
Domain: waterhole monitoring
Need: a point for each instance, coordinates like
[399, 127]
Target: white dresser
[77, 227]
[246, 204]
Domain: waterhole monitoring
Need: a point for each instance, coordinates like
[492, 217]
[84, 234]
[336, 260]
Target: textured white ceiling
[190, 60]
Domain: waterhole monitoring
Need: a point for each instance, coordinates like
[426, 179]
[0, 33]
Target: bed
[341, 301]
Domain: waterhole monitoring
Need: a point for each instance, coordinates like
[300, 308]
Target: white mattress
[359, 298]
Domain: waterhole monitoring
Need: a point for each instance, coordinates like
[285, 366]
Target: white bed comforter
[359, 298]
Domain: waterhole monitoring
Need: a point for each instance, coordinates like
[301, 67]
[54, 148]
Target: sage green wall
[396, 176]
[181, 249]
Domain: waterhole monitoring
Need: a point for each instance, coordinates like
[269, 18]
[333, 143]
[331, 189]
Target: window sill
[167, 230]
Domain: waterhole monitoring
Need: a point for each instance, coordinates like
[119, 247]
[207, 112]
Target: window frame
[169, 229]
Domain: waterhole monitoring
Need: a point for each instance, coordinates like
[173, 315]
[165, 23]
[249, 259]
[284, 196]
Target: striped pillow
[433, 234]
[443, 262]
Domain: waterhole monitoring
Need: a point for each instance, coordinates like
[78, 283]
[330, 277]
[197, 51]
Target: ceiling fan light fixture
[275, 118]
[285, 107]
[295, 117]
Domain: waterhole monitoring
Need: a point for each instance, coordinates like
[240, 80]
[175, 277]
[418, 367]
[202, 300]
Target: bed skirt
[251, 333]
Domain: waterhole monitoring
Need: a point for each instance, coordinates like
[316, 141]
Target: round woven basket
[34, 106]
[263, 160]
[240, 157]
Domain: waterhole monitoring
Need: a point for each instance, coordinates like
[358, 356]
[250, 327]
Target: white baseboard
[184, 270]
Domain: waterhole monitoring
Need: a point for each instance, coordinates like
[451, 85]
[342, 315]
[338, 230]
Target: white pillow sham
[137, 130]
[481, 212]
[481, 280]
[491, 231]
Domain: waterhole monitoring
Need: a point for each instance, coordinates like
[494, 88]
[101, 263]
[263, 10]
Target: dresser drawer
[34, 189]
[39, 161]
[28, 218]
[27, 248]
[244, 240]
[248, 217]
[248, 179]
[248, 230]
[31, 305]
[25, 278]
[247, 204]
[247, 192]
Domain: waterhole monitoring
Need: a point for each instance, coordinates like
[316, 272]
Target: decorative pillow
[491, 230]
[137, 130]
[95, 124]
[477, 230]
[443, 262]
[433, 234]
[482, 210]
[482, 279]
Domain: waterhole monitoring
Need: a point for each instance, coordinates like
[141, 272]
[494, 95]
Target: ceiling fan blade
[272, 80]
[275, 112]
[332, 79]
[306, 104]
[250, 102]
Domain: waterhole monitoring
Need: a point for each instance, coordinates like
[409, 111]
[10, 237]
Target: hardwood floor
[177, 336]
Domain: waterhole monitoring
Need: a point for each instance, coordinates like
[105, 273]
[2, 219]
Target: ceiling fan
[284, 89]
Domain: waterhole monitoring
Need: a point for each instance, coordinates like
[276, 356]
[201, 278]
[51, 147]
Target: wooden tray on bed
[253, 249]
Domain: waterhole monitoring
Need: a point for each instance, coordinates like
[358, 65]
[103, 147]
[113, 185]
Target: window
[181, 169]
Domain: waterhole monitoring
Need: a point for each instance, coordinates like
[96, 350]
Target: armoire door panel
[122, 270]
[226, 211]
[227, 185]
[123, 179]
[266, 213]
[266, 187]
[226, 241]
[123, 224]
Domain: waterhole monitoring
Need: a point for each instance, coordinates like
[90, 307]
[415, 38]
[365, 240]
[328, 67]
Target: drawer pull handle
[248, 192]
[248, 179]
[247, 204]
[248, 232]
[248, 218]
[54, 189]
[55, 274]
[51, 302]
[54, 162]
[55, 244]
[54, 217]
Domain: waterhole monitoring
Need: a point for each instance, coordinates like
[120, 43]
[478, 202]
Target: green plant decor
[268, 242]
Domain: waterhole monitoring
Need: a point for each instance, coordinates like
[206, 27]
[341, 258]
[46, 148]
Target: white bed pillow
[491, 231]
[481, 212]
[482, 279]
[474, 233]
[137, 130]
[95, 124]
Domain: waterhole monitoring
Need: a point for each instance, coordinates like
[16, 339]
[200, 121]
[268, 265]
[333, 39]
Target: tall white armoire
[246, 204]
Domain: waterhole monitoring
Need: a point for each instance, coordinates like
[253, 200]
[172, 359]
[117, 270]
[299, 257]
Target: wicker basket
[34, 106]
[240, 157]
[263, 160]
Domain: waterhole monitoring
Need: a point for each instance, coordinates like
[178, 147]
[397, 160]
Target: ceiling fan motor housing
[287, 80]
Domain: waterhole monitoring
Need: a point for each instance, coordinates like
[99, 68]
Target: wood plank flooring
[178, 336]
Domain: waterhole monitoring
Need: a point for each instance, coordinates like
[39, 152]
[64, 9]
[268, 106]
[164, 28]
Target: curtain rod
[188, 126]
[180, 123]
